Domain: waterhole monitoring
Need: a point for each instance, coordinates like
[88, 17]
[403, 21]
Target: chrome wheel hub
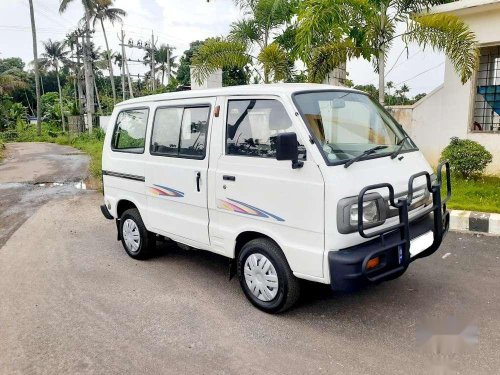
[261, 277]
[131, 235]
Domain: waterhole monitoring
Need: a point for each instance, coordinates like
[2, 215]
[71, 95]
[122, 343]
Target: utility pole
[79, 76]
[125, 69]
[153, 73]
[37, 72]
[123, 63]
[89, 74]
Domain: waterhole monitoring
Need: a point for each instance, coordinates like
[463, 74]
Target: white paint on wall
[448, 111]
[104, 121]
[214, 80]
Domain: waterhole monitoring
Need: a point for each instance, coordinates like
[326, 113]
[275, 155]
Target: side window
[130, 131]
[253, 125]
[166, 128]
[194, 132]
[180, 131]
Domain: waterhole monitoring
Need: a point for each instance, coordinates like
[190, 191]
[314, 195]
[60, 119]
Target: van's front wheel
[136, 239]
[265, 276]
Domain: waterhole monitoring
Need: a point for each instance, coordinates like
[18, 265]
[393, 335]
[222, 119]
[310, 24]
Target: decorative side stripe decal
[124, 175]
[166, 191]
[244, 208]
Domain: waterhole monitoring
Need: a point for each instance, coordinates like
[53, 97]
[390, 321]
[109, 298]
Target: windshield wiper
[366, 153]
[401, 144]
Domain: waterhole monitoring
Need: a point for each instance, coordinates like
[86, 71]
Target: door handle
[228, 178]
[198, 178]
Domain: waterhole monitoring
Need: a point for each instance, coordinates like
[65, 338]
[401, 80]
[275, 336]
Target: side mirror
[287, 149]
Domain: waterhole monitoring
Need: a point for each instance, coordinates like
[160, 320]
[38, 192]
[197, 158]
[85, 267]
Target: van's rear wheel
[265, 276]
[137, 241]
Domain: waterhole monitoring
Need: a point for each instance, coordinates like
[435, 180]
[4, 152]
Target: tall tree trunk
[89, 85]
[381, 76]
[97, 96]
[63, 121]
[110, 64]
[41, 82]
[37, 71]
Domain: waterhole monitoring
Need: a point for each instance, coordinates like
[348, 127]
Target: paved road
[72, 301]
[33, 174]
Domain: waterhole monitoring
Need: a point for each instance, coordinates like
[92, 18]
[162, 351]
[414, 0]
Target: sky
[177, 23]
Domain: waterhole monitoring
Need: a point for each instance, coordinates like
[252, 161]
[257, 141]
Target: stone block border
[468, 221]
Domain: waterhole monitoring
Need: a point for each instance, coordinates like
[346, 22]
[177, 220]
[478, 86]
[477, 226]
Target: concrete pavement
[74, 302]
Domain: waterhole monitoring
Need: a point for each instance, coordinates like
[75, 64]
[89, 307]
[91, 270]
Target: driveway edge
[469, 221]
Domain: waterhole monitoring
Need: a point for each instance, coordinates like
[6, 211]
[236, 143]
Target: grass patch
[481, 195]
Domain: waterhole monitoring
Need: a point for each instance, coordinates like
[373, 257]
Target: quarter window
[253, 126]
[166, 128]
[130, 130]
[179, 131]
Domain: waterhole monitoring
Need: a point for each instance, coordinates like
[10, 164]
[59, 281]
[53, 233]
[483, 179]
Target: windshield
[347, 124]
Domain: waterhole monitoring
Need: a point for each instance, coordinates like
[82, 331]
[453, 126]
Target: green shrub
[467, 158]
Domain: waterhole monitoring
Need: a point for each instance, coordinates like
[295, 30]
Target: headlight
[371, 213]
[375, 212]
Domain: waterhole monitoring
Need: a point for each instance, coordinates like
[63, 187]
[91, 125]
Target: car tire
[260, 263]
[137, 241]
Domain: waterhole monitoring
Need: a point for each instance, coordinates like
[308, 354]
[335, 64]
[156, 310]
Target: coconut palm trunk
[63, 121]
[381, 76]
[37, 72]
[110, 63]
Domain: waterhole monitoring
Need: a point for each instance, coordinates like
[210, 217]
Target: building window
[487, 103]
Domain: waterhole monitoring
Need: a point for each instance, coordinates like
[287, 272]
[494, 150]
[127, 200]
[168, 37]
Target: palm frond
[245, 31]
[449, 34]
[275, 60]
[326, 58]
[217, 53]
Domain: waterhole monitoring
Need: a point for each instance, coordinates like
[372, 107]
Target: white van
[290, 181]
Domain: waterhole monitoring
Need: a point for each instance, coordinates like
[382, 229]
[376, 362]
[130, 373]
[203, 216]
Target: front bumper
[349, 267]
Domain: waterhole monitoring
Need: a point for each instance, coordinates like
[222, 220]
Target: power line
[419, 74]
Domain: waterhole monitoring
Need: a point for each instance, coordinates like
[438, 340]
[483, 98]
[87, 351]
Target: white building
[470, 111]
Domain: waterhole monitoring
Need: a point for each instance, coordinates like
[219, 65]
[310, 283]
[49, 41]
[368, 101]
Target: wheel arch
[248, 235]
[125, 204]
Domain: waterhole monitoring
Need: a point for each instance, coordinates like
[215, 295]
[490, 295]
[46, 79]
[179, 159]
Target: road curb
[469, 221]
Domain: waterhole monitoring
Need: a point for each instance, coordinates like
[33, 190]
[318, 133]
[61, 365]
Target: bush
[467, 158]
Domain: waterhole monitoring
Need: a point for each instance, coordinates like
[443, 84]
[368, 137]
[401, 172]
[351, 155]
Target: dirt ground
[33, 174]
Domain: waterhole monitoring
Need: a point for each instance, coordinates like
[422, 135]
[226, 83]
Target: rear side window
[254, 124]
[181, 132]
[130, 131]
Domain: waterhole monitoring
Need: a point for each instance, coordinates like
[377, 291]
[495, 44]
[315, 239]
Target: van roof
[260, 89]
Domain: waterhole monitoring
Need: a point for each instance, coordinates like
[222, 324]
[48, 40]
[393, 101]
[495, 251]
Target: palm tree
[166, 63]
[256, 40]
[332, 31]
[104, 12]
[390, 86]
[10, 81]
[37, 73]
[54, 55]
[88, 6]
